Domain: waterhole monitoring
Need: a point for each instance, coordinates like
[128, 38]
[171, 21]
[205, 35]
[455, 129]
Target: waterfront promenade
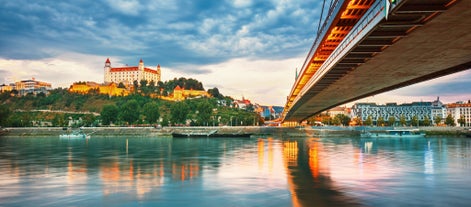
[254, 130]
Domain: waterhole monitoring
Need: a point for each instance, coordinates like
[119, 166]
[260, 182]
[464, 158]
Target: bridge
[367, 47]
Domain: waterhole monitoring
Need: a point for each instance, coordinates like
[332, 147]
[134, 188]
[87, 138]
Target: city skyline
[245, 48]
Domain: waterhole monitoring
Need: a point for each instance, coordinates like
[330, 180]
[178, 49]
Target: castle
[128, 75]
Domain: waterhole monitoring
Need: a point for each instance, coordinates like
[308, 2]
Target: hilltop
[64, 108]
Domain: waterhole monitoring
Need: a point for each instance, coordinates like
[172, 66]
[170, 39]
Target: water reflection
[273, 171]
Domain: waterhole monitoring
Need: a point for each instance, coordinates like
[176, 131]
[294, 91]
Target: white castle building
[129, 74]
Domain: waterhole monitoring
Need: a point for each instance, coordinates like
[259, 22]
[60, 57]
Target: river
[257, 171]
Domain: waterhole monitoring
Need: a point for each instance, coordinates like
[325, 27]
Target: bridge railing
[333, 10]
[372, 17]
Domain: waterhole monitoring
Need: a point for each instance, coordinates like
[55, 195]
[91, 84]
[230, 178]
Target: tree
[135, 83]
[369, 121]
[109, 114]
[59, 120]
[4, 114]
[391, 120]
[462, 121]
[121, 85]
[450, 120]
[437, 120]
[165, 121]
[414, 121]
[129, 111]
[426, 121]
[205, 110]
[214, 92]
[341, 119]
[380, 121]
[151, 111]
[402, 120]
[143, 83]
[179, 111]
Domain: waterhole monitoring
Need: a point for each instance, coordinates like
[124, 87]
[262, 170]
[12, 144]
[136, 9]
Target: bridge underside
[413, 45]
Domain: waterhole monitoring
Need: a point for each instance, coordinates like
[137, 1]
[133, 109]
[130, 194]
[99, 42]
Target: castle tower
[159, 73]
[140, 70]
[107, 69]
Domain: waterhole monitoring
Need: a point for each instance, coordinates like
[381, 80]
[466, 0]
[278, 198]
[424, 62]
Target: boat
[75, 135]
[366, 134]
[196, 133]
[469, 133]
[396, 133]
[212, 133]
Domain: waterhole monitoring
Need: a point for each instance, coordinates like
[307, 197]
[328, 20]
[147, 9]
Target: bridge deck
[420, 40]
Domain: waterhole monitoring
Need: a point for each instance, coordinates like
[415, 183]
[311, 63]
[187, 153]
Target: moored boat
[396, 133]
[75, 135]
[194, 133]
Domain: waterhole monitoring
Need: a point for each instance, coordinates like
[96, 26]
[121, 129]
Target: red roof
[150, 70]
[107, 60]
[124, 69]
[177, 88]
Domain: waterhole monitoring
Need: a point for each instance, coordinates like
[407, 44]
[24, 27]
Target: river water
[259, 171]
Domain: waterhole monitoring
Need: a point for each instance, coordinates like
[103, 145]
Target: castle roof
[124, 69]
[132, 69]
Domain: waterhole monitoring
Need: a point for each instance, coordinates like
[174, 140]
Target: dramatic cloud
[244, 47]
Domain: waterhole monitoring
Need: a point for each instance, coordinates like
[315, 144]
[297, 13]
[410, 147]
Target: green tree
[135, 84]
[368, 121]
[129, 111]
[341, 119]
[109, 114]
[391, 120]
[143, 83]
[179, 112]
[450, 120]
[426, 121]
[414, 121]
[402, 120]
[121, 85]
[4, 114]
[462, 121]
[437, 120]
[151, 111]
[380, 121]
[165, 121]
[336, 121]
[214, 92]
[205, 109]
[59, 120]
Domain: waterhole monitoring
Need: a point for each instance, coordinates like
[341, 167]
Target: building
[338, 110]
[180, 94]
[25, 87]
[129, 74]
[110, 89]
[438, 110]
[242, 104]
[421, 110]
[460, 110]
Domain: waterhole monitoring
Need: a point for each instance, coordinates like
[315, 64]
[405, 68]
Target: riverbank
[223, 130]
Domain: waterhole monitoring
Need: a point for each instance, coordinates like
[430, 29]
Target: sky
[245, 48]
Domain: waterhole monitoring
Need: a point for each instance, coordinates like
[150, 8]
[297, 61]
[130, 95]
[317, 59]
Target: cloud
[61, 71]
[201, 33]
[127, 7]
[264, 81]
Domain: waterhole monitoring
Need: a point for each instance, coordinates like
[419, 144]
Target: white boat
[75, 135]
[398, 133]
